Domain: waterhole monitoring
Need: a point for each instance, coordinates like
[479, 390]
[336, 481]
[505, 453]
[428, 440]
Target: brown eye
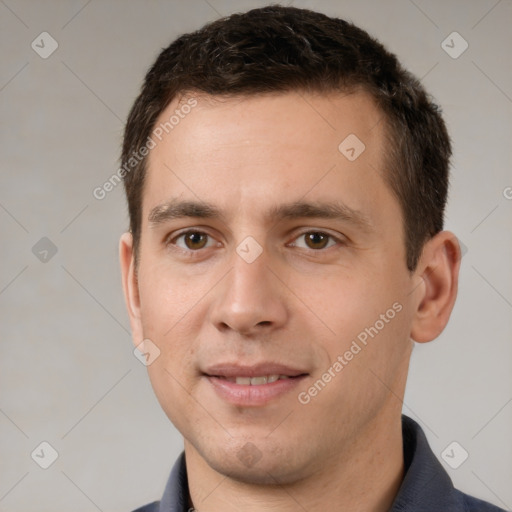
[316, 240]
[195, 240]
[192, 241]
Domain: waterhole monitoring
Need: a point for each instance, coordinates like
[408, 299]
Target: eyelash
[172, 241]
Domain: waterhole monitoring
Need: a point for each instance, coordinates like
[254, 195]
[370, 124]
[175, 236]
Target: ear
[130, 286]
[438, 270]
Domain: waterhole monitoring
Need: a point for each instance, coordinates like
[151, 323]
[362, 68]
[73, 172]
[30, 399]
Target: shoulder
[175, 497]
[150, 507]
[473, 504]
[426, 485]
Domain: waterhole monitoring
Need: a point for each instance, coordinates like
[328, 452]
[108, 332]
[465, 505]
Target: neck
[365, 477]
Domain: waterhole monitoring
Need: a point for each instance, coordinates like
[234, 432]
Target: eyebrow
[177, 209]
[321, 210]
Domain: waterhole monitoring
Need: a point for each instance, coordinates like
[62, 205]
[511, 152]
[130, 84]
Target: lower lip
[247, 396]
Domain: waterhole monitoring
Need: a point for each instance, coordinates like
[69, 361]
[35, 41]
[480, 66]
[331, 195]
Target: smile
[255, 381]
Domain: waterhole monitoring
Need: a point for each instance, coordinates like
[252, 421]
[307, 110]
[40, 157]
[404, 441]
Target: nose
[250, 299]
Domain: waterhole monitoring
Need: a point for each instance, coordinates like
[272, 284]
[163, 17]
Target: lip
[252, 396]
[249, 395]
[236, 370]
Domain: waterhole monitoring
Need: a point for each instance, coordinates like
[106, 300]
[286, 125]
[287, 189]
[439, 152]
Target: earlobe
[439, 270]
[130, 285]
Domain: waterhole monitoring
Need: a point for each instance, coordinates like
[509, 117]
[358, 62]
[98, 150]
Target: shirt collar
[176, 497]
[426, 485]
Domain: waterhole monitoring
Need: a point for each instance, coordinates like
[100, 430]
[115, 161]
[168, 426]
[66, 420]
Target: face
[270, 251]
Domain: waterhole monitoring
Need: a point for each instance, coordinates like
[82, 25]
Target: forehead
[253, 151]
[318, 119]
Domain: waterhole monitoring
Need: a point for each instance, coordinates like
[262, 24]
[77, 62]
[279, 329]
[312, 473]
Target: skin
[299, 303]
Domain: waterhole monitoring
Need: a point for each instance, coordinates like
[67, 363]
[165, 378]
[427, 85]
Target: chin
[247, 464]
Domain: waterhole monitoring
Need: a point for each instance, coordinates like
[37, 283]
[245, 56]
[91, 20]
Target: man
[286, 182]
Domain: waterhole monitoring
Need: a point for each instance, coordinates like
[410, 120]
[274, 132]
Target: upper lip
[261, 369]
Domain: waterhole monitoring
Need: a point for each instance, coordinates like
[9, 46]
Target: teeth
[256, 381]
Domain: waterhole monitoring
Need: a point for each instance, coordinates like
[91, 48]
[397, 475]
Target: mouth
[254, 381]
[251, 386]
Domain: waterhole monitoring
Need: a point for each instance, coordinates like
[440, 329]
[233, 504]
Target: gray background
[68, 375]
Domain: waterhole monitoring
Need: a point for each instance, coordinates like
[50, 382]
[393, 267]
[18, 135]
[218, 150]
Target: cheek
[166, 297]
[171, 390]
[367, 319]
[173, 373]
[169, 312]
[344, 304]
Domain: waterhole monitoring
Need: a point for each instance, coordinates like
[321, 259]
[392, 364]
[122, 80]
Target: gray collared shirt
[426, 486]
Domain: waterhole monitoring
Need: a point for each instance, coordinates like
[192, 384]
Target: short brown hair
[281, 49]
